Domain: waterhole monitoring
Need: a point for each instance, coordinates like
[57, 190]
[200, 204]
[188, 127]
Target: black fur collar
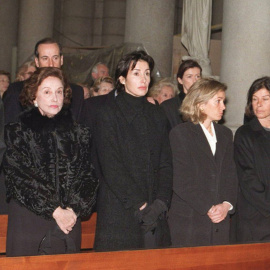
[33, 119]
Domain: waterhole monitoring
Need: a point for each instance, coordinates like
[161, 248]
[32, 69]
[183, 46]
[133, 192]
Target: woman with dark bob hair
[188, 73]
[204, 176]
[50, 180]
[135, 160]
[252, 157]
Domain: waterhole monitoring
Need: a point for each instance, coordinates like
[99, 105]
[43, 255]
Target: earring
[35, 104]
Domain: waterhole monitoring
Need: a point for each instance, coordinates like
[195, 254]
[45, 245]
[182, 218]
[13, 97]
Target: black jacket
[2, 145]
[13, 106]
[252, 157]
[171, 108]
[135, 161]
[200, 180]
[47, 164]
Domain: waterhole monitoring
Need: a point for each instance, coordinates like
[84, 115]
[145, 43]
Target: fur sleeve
[25, 181]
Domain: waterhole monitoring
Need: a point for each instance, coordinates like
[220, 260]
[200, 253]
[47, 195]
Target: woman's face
[137, 81]
[189, 78]
[166, 93]
[4, 83]
[261, 104]
[214, 107]
[28, 73]
[105, 88]
[50, 96]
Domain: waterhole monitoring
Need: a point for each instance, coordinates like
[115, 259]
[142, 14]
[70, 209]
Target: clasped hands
[65, 219]
[218, 212]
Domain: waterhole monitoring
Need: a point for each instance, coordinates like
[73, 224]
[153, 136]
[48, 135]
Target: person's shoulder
[96, 100]
[16, 86]
[13, 127]
[170, 102]
[184, 127]
[224, 130]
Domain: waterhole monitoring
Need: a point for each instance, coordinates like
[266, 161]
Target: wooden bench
[88, 232]
[234, 257]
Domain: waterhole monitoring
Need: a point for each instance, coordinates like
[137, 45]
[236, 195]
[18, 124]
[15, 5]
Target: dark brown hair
[47, 40]
[257, 85]
[129, 61]
[31, 85]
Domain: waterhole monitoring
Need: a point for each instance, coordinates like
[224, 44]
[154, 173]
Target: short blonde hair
[199, 93]
[22, 69]
[100, 80]
[155, 90]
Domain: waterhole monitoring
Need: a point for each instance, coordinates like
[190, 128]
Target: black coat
[172, 109]
[136, 166]
[3, 205]
[90, 113]
[47, 164]
[13, 106]
[2, 144]
[252, 157]
[200, 180]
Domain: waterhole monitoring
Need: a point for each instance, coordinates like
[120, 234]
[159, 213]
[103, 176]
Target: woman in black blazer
[135, 161]
[252, 157]
[204, 176]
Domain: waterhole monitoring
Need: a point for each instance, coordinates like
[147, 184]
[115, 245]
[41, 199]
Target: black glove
[151, 213]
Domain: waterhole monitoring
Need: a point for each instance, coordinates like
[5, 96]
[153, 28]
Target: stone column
[77, 23]
[98, 23]
[245, 52]
[35, 23]
[151, 23]
[113, 28]
[8, 31]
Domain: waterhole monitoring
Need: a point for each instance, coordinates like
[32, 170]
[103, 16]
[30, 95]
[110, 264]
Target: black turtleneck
[135, 102]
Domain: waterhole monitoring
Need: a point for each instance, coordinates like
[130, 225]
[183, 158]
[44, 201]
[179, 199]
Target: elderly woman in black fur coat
[49, 176]
[135, 159]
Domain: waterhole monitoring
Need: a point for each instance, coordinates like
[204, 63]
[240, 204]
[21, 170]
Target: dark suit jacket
[13, 107]
[200, 180]
[252, 157]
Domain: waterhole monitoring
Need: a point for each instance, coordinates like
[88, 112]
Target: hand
[65, 219]
[218, 212]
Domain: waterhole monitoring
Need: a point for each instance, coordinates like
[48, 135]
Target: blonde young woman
[204, 176]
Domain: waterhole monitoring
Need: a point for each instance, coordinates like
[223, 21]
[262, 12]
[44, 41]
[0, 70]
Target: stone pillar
[35, 23]
[245, 52]
[77, 23]
[113, 29]
[98, 23]
[151, 23]
[8, 31]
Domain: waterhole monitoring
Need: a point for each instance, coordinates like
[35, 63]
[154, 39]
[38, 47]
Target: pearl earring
[35, 104]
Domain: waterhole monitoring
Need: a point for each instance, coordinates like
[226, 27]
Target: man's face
[102, 71]
[49, 56]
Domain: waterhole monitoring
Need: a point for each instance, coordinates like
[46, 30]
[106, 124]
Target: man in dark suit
[48, 53]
